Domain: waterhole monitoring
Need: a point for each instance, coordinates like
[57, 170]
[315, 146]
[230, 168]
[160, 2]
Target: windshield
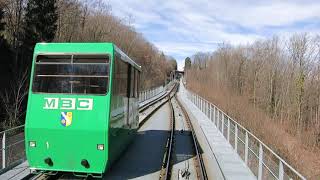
[71, 74]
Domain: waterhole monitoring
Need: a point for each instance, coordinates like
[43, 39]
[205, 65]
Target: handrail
[11, 129]
[218, 116]
[150, 93]
[7, 157]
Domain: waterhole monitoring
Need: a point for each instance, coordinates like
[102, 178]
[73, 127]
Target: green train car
[82, 107]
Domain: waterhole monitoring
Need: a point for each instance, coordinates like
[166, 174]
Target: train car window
[121, 77]
[132, 88]
[71, 74]
[61, 59]
[136, 83]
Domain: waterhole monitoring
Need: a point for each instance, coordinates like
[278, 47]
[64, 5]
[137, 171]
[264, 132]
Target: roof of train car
[67, 48]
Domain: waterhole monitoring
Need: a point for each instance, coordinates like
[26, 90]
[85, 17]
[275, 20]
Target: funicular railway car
[82, 107]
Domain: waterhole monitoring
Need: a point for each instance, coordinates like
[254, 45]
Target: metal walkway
[223, 161]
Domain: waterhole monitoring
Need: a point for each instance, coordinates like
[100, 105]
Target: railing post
[218, 122]
[194, 99]
[197, 99]
[203, 106]
[222, 123]
[246, 149]
[206, 108]
[236, 137]
[214, 115]
[201, 103]
[228, 134]
[210, 112]
[281, 172]
[4, 150]
[260, 162]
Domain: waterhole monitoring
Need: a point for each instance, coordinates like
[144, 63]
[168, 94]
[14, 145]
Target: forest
[272, 87]
[23, 23]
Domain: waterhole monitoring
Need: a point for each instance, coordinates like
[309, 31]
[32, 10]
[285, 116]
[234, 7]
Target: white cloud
[182, 27]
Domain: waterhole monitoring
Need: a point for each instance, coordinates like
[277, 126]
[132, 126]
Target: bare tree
[272, 87]
[12, 101]
[14, 10]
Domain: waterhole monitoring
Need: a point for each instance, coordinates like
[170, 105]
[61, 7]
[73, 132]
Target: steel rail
[151, 103]
[158, 107]
[165, 172]
[201, 170]
[42, 176]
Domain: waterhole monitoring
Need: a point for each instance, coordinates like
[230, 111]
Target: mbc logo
[68, 103]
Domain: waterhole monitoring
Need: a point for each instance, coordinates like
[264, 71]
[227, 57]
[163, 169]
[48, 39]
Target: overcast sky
[180, 28]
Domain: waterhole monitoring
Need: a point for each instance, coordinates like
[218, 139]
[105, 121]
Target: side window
[124, 78]
[132, 84]
[115, 86]
[136, 84]
[120, 77]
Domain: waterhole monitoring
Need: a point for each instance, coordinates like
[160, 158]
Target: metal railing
[12, 147]
[147, 94]
[262, 161]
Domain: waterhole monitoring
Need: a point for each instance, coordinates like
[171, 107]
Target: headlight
[100, 147]
[32, 144]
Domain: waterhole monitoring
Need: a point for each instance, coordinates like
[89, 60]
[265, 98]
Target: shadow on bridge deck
[143, 158]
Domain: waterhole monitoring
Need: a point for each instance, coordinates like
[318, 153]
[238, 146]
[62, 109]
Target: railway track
[201, 171]
[153, 102]
[183, 161]
[161, 100]
[165, 172]
[60, 176]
